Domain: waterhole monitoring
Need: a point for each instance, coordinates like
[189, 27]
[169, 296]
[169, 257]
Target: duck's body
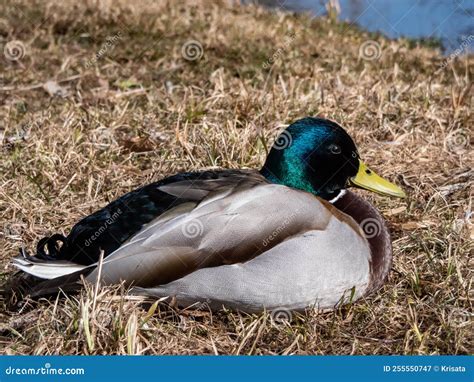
[322, 261]
[235, 238]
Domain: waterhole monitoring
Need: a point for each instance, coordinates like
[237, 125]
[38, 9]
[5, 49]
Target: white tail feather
[49, 270]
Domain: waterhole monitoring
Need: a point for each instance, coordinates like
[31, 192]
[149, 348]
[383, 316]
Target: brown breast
[375, 230]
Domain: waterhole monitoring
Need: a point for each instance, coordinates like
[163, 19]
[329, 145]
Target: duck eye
[335, 149]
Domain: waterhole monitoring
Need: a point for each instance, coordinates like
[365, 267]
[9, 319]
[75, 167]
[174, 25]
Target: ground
[100, 97]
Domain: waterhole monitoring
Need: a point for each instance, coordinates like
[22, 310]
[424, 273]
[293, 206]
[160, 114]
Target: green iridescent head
[318, 156]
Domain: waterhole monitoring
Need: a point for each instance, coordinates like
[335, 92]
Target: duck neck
[289, 176]
[286, 167]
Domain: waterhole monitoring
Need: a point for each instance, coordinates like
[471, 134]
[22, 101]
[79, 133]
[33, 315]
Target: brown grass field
[100, 97]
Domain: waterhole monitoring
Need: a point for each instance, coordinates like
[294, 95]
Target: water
[450, 21]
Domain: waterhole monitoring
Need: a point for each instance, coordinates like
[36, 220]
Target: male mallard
[288, 236]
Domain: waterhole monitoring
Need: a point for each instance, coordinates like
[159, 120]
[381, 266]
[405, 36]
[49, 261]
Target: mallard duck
[290, 236]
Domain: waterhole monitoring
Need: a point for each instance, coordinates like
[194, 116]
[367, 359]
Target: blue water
[450, 21]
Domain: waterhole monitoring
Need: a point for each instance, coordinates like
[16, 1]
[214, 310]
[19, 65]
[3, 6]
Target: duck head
[318, 156]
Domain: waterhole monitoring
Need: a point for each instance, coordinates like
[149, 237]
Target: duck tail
[39, 277]
[22, 285]
[47, 264]
[51, 243]
[45, 269]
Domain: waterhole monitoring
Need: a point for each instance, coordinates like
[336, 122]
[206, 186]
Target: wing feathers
[232, 228]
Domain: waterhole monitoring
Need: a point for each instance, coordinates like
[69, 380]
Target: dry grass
[141, 111]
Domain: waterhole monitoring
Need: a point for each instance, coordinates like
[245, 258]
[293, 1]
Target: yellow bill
[369, 180]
